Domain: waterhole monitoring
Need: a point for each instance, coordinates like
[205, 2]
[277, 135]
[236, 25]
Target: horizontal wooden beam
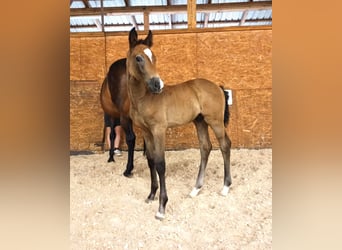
[172, 9]
[167, 24]
[173, 31]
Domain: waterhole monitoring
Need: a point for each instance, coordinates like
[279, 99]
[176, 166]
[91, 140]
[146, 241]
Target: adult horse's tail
[226, 107]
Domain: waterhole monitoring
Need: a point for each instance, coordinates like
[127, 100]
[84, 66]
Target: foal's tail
[226, 107]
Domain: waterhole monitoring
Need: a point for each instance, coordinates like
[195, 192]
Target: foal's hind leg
[226, 156]
[205, 147]
[225, 145]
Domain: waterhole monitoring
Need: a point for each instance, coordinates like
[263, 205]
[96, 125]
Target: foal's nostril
[139, 59]
[155, 85]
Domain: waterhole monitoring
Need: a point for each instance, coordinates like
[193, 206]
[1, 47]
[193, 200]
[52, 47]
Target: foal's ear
[133, 38]
[149, 39]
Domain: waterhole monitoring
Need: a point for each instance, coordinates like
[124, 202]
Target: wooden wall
[240, 60]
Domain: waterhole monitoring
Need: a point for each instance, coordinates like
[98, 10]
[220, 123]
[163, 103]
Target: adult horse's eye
[139, 59]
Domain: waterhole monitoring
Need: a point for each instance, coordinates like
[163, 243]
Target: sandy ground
[108, 210]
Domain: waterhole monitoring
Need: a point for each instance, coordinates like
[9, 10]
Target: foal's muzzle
[156, 85]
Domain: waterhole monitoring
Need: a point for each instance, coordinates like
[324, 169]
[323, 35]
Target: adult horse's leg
[205, 148]
[127, 125]
[111, 149]
[225, 145]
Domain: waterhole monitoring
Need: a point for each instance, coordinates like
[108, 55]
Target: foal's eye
[139, 59]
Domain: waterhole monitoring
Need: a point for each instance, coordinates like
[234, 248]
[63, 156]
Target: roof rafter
[206, 19]
[243, 18]
[86, 3]
[134, 22]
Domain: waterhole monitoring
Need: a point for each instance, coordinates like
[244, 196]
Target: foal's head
[141, 62]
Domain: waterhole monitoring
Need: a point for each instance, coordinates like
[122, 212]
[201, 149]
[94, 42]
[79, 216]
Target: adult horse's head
[141, 62]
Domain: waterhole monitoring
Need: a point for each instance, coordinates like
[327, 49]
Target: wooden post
[146, 21]
[102, 17]
[191, 7]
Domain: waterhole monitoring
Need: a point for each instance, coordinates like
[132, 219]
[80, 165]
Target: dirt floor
[108, 210]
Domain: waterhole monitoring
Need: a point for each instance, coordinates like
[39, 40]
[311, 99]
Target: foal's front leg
[159, 163]
[154, 182]
[149, 155]
[160, 166]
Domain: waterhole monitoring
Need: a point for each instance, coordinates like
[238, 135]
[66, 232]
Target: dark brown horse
[114, 101]
[155, 107]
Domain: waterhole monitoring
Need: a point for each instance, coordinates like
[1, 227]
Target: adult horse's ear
[133, 38]
[149, 39]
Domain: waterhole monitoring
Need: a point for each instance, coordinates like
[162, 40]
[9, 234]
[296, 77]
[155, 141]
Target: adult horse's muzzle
[156, 85]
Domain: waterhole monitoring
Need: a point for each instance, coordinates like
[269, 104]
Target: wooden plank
[174, 31]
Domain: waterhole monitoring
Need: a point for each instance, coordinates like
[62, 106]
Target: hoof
[148, 201]
[128, 175]
[194, 192]
[111, 159]
[160, 216]
[224, 191]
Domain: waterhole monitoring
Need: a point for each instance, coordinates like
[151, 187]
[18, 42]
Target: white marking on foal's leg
[160, 216]
[148, 52]
[225, 190]
[194, 192]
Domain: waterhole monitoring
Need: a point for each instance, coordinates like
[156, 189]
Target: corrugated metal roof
[148, 3]
[124, 21]
[229, 1]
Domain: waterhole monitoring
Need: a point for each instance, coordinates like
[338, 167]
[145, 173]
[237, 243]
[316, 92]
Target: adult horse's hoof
[160, 216]
[128, 175]
[111, 158]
